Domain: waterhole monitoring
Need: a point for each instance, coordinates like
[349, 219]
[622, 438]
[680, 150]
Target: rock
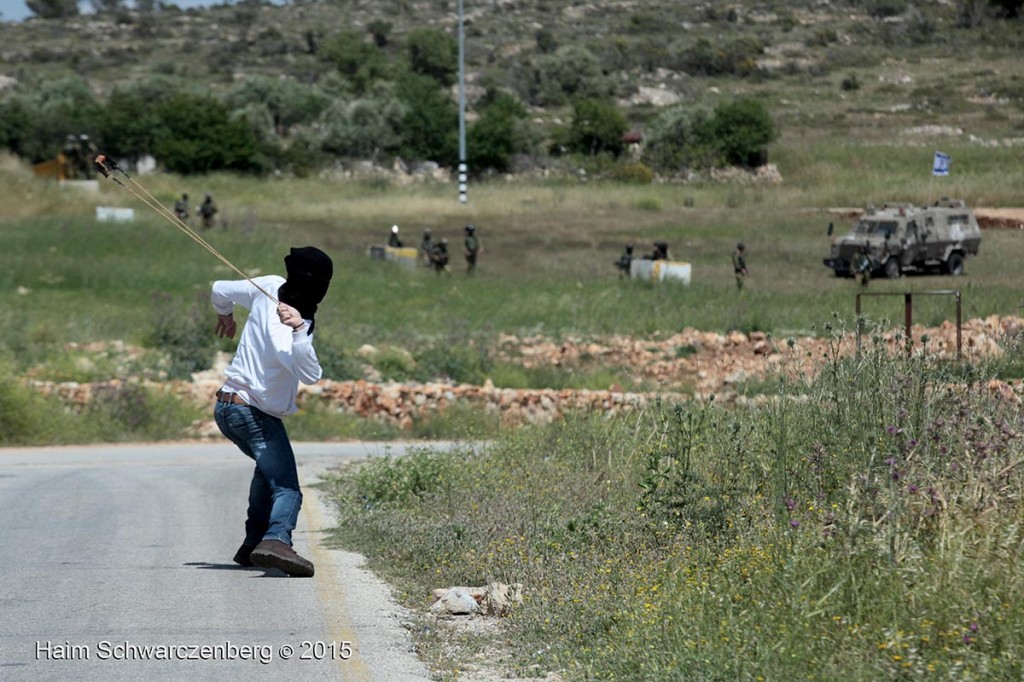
[456, 601]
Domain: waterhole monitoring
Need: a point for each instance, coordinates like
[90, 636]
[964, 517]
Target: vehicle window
[885, 228]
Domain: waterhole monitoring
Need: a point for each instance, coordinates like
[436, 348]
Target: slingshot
[107, 167]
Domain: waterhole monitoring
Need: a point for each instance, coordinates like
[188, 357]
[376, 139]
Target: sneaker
[242, 556]
[276, 554]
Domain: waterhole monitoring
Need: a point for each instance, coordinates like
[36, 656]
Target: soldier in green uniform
[439, 256]
[207, 210]
[862, 265]
[625, 260]
[426, 248]
[181, 208]
[739, 264]
[472, 246]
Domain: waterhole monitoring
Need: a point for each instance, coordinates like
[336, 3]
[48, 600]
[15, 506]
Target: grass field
[548, 251]
[869, 531]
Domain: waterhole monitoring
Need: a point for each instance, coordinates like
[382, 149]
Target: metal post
[908, 320]
[958, 327]
[462, 111]
[860, 325]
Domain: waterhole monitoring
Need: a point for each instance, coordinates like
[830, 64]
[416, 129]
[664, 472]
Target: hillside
[863, 70]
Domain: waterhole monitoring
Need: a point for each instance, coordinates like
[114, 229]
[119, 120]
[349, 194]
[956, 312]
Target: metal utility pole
[462, 111]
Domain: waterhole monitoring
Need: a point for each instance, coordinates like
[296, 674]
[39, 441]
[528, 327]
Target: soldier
[393, 240]
[181, 208]
[207, 210]
[660, 252]
[87, 154]
[472, 246]
[439, 256]
[426, 248]
[72, 157]
[625, 260]
[739, 264]
[862, 265]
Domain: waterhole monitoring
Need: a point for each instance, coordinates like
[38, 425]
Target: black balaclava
[309, 274]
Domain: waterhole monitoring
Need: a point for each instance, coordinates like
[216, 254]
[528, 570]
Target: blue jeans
[274, 496]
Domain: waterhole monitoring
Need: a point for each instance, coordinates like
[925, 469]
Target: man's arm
[294, 345]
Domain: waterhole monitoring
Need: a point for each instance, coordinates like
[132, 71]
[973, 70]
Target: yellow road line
[330, 595]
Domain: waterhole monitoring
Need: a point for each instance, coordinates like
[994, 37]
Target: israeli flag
[941, 164]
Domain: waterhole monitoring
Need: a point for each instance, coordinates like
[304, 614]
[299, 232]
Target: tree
[107, 6]
[53, 9]
[1011, 9]
[596, 128]
[433, 53]
[572, 72]
[497, 134]
[364, 128]
[288, 102]
[38, 115]
[381, 31]
[741, 130]
[130, 118]
[196, 134]
[430, 125]
[671, 142]
[361, 62]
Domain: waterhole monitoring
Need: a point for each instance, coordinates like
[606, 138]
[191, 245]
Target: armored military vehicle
[907, 238]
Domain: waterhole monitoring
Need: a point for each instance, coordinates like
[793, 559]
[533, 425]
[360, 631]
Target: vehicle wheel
[892, 268]
[955, 264]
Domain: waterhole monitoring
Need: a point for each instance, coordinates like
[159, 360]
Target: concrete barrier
[660, 270]
[117, 215]
[407, 256]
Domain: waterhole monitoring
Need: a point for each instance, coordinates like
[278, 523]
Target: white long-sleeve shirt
[271, 359]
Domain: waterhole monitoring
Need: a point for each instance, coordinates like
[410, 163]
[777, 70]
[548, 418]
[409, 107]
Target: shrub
[433, 53]
[130, 120]
[672, 142]
[359, 61]
[53, 9]
[183, 332]
[1011, 9]
[497, 134]
[457, 362]
[364, 128]
[634, 172]
[741, 130]
[429, 127]
[850, 83]
[36, 116]
[130, 412]
[546, 41]
[597, 127]
[196, 134]
[736, 58]
[880, 9]
[571, 72]
[23, 413]
[380, 30]
[288, 102]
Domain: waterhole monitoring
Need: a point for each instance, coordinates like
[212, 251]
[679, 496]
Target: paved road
[108, 550]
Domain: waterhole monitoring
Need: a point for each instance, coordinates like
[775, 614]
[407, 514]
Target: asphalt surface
[115, 564]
